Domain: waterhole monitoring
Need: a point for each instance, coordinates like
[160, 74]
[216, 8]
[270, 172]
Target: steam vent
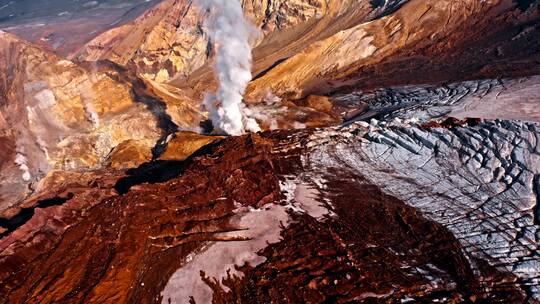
[285, 151]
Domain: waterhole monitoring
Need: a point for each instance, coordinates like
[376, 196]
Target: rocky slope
[280, 207]
[56, 115]
[309, 48]
[400, 161]
[171, 41]
[424, 41]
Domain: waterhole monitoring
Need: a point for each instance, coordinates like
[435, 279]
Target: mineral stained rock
[399, 162]
[58, 116]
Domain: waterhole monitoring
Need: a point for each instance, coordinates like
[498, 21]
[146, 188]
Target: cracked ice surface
[481, 182]
[513, 99]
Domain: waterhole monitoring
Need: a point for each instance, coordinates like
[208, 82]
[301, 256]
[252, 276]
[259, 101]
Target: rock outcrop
[56, 115]
[424, 41]
[170, 41]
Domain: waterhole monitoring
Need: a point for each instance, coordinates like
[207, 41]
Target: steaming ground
[230, 33]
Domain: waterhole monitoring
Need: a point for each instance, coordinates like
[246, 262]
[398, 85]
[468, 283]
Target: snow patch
[303, 197]
[262, 227]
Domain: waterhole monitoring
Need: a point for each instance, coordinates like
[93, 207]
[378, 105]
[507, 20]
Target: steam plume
[230, 33]
[22, 162]
[88, 99]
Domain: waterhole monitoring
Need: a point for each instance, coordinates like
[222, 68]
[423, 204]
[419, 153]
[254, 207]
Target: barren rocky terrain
[398, 157]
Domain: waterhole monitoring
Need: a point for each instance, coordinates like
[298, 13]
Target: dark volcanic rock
[309, 216]
[478, 181]
[375, 249]
[100, 246]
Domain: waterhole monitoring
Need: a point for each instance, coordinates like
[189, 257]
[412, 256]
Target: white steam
[87, 96]
[22, 162]
[230, 33]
